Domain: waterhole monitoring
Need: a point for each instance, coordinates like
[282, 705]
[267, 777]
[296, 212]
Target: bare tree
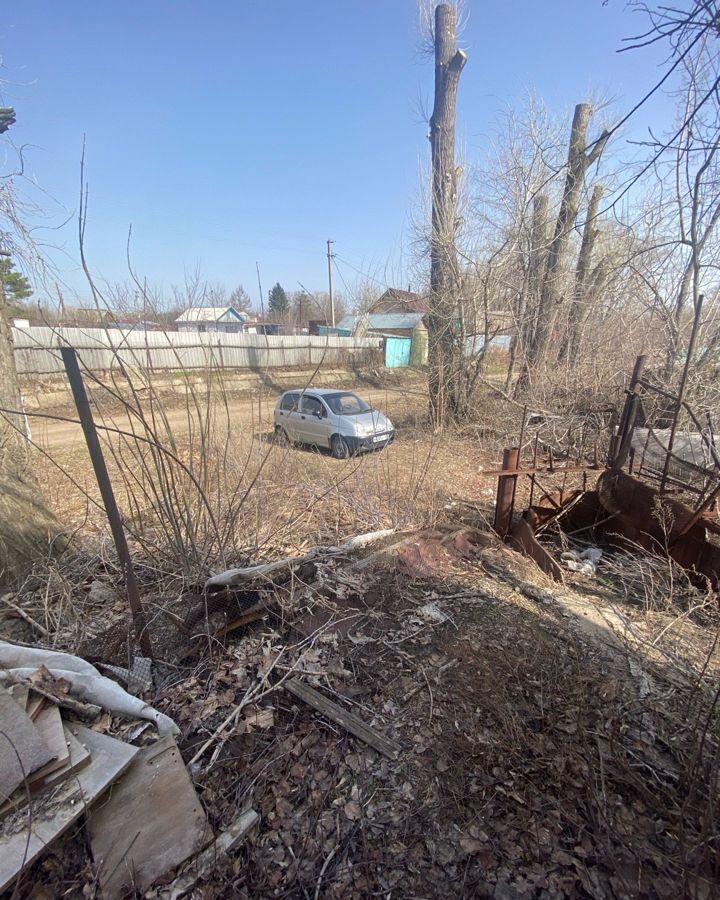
[444, 280]
[581, 155]
[28, 529]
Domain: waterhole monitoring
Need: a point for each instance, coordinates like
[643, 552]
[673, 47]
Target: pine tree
[277, 300]
[15, 286]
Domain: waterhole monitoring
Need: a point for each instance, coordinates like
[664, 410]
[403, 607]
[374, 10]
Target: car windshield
[346, 404]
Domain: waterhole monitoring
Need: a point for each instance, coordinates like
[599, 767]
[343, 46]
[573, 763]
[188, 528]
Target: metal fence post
[82, 404]
[505, 501]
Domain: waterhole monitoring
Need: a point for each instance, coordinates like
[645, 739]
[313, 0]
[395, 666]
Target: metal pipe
[681, 389]
[77, 385]
[697, 515]
[505, 500]
[618, 441]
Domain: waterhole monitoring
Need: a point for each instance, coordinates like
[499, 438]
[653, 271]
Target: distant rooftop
[384, 321]
[211, 314]
[408, 301]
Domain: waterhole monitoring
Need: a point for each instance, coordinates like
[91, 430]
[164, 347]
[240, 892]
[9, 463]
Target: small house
[212, 319]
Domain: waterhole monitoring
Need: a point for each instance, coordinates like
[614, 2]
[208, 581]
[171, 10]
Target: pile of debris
[58, 763]
[424, 714]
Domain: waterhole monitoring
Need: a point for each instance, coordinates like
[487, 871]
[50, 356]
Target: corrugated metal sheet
[383, 321]
[37, 349]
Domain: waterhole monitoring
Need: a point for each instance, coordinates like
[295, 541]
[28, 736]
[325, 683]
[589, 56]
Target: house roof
[210, 314]
[384, 321]
[411, 302]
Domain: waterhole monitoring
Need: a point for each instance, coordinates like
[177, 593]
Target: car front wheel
[340, 449]
[281, 436]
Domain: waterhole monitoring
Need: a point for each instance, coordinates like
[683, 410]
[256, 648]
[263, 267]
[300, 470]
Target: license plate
[379, 437]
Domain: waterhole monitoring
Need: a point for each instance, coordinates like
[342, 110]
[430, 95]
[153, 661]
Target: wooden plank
[20, 694]
[78, 757]
[151, 822]
[20, 846]
[35, 705]
[22, 749]
[206, 861]
[348, 720]
[50, 725]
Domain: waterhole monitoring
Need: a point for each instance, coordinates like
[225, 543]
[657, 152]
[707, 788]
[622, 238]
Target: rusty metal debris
[657, 490]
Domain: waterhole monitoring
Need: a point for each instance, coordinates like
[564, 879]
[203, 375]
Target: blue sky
[233, 132]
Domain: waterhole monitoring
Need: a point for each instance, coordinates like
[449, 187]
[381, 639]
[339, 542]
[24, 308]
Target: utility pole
[332, 302]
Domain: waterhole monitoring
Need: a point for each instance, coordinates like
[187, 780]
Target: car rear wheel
[340, 449]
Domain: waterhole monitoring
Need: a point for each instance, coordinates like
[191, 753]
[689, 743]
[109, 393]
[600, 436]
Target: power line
[360, 272]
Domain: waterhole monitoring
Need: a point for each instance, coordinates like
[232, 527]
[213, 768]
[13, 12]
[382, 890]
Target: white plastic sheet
[85, 681]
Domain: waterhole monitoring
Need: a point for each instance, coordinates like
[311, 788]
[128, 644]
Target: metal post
[681, 390]
[618, 441]
[82, 404]
[505, 500]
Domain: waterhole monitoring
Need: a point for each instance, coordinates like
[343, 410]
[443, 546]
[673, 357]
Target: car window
[312, 406]
[346, 404]
[290, 402]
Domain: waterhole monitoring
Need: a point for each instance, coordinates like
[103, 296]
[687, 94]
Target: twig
[23, 615]
[322, 871]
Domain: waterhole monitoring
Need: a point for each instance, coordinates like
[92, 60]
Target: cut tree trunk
[583, 272]
[579, 160]
[28, 530]
[443, 349]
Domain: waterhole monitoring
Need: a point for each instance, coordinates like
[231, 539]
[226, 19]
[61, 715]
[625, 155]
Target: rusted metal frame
[711, 447]
[565, 507]
[505, 500]
[681, 389]
[658, 390]
[626, 439]
[532, 477]
[674, 398]
[698, 514]
[77, 386]
[548, 494]
[558, 470]
[686, 464]
[642, 458]
[618, 440]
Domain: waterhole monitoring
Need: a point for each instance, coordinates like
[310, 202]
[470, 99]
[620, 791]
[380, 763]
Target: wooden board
[20, 694]
[78, 757]
[50, 725]
[35, 704]
[56, 813]
[22, 749]
[348, 720]
[151, 822]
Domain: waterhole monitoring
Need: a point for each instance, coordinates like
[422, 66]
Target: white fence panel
[37, 349]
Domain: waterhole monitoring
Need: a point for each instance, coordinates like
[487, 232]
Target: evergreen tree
[15, 284]
[277, 301]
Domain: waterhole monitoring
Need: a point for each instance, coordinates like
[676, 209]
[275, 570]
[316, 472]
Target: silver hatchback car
[339, 420]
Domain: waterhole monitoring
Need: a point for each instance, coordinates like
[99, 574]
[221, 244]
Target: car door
[314, 425]
[289, 416]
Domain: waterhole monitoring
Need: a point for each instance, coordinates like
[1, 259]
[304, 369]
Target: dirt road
[401, 404]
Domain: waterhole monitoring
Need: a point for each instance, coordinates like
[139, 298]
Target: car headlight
[389, 425]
